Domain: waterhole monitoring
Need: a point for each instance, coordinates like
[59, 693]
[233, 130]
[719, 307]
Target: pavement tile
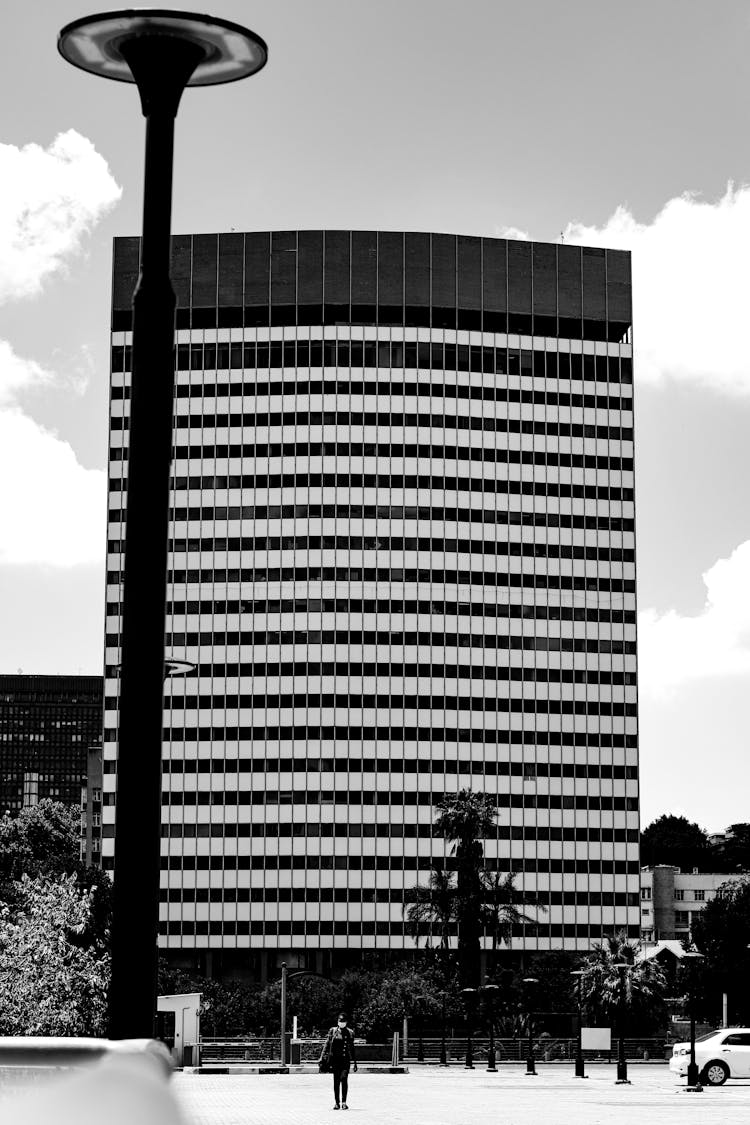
[433, 1096]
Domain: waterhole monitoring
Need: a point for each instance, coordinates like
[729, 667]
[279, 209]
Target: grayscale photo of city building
[401, 563]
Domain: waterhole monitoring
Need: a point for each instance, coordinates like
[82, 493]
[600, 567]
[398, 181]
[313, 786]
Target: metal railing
[546, 1049]
[246, 1049]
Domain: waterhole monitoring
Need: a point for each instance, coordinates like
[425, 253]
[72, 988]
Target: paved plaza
[432, 1096]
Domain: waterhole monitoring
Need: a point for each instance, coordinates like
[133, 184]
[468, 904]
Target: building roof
[676, 948]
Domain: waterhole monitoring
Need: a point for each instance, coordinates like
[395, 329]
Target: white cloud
[691, 287]
[512, 232]
[675, 651]
[17, 375]
[52, 509]
[50, 199]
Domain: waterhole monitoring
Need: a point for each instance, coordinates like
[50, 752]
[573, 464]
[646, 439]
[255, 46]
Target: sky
[603, 123]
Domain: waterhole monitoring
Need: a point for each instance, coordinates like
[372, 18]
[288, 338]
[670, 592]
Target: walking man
[337, 1054]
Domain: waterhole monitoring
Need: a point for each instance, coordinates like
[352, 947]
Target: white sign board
[596, 1038]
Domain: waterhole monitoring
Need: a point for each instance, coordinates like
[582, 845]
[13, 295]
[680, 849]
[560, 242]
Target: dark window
[283, 277]
[594, 292]
[257, 278]
[205, 249]
[231, 270]
[569, 291]
[364, 249]
[444, 280]
[126, 268]
[336, 279]
[390, 278]
[310, 272]
[545, 289]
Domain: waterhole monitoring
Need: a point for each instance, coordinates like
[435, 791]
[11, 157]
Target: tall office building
[47, 726]
[402, 562]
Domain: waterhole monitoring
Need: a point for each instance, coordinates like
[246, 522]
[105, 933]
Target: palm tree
[604, 986]
[464, 820]
[432, 907]
[503, 906]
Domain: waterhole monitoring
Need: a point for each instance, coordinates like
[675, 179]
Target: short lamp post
[443, 1051]
[580, 1069]
[470, 997]
[623, 968]
[531, 983]
[490, 991]
[693, 1076]
[162, 51]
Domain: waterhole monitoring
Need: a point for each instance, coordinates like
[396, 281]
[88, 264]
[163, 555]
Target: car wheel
[715, 1073]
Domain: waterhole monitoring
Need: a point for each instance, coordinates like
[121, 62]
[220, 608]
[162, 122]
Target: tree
[432, 907]
[464, 820]
[733, 852]
[51, 981]
[503, 906]
[403, 990]
[641, 988]
[42, 840]
[677, 841]
[721, 933]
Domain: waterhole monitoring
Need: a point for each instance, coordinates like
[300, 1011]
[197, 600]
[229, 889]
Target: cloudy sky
[618, 125]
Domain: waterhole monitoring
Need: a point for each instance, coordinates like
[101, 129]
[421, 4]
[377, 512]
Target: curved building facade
[402, 561]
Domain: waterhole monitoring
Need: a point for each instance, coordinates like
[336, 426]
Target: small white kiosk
[186, 1008]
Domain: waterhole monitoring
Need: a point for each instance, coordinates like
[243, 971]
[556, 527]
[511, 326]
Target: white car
[719, 1055]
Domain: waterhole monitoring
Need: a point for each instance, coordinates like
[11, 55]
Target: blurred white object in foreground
[120, 1083]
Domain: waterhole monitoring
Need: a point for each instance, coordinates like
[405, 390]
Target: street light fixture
[530, 983]
[622, 1065]
[580, 1069]
[162, 52]
[491, 991]
[470, 996]
[693, 1076]
[443, 1050]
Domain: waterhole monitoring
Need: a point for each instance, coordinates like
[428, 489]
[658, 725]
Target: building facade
[402, 562]
[47, 725]
[91, 808]
[671, 900]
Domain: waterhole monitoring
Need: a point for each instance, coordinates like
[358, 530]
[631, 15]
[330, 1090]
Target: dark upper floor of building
[391, 278]
[47, 726]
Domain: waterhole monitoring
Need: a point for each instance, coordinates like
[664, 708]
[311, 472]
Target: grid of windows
[47, 726]
[402, 560]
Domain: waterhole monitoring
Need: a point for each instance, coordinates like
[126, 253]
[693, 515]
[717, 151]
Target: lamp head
[225, 51]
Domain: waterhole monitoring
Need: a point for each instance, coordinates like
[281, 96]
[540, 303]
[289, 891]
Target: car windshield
[708, 1035]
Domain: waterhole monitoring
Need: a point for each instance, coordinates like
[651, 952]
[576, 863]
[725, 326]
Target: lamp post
[530, 983]
[693, 1077]
[443, 1051]
[162, 52]
[491, 991]
[580, 1069]
[622, 1066]
[470, 996]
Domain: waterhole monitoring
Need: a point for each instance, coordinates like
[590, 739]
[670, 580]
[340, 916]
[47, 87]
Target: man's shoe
[337, 1106]
[344, 1105]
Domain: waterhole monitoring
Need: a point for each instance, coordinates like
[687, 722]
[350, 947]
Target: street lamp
[530, 983]
[580, 1069]
[443, 1051]
[622, 1065]
[491, 991]
[285, 977]
[693, 1077]
[470, 996]
[162, 52]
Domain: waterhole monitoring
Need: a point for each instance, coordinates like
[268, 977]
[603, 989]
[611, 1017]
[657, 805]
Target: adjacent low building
[47, 726]
[671, 899]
